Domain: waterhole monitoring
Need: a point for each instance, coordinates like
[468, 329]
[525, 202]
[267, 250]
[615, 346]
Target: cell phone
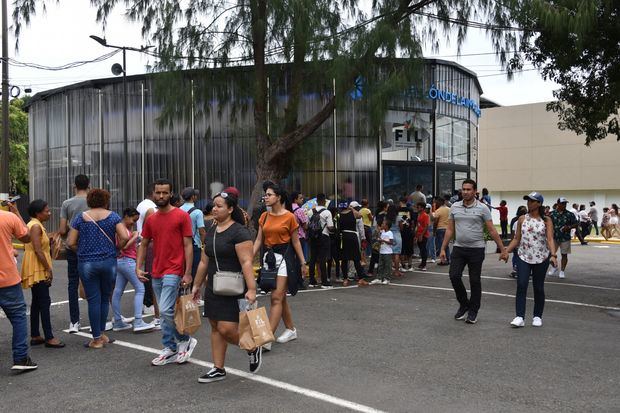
[11, 200]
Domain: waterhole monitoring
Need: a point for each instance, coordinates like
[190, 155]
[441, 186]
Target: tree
[18, 147]
[347, 40]
[575, 44]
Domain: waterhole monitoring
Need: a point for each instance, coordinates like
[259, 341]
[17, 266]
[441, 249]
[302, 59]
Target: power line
[66, 66]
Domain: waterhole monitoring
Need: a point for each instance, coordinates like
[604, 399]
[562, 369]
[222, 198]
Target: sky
[61, 36]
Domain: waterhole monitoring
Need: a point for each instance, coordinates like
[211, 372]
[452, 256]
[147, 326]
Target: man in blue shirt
[190, 195]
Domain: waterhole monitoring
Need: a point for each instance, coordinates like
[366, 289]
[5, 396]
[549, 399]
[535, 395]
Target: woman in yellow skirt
[37, 275]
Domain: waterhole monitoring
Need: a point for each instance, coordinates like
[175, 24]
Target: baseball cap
[562, 200]
[428, 206]
[534, 196]
[189, 192]
[231, 190]
[354, 204]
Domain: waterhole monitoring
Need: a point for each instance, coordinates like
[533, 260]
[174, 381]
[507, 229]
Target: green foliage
[575, 43]
[18, 147]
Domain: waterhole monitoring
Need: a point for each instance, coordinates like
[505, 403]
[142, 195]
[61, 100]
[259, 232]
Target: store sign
[453, 98]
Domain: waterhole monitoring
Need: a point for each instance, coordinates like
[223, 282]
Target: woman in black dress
[231, 241]
[351, 246]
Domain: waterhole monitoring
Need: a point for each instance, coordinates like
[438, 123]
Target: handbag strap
[100, 229]
[217, 266]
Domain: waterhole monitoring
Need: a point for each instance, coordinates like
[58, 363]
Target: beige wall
[522, 149]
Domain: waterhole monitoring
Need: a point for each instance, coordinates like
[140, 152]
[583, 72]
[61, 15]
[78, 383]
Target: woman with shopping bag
[226, 262]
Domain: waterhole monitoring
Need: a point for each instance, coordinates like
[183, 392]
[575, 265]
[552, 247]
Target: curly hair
[98, 198]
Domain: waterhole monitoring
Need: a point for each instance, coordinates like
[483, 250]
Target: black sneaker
[214, 374]
[472, 317]
[256, 359]
[461, 313]
[24, 365]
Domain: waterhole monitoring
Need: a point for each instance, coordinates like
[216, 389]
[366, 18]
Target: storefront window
[452, 140]
[407, 136]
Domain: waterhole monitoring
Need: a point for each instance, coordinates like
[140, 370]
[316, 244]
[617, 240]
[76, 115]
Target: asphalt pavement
[390, 348]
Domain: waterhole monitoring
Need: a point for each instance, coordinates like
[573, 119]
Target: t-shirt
[93, 246]
[405, 215]
[593, 214]
[423, 225]
[198, 221]
[277, 229]
[561, 219]
[225, 243]
[10, 227]
[327, 220]
[142, 208]
[302, 219]
[442, 215]
[386, 248]
[417, 197]
[366, 217]
[72, 207]
[167, 230]
[503, 213]
[469, 222]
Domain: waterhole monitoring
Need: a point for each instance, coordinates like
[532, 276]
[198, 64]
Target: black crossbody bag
[268, 273]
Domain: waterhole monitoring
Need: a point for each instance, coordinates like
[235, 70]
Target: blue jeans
[126, 272]
[430, 247]
[72, 287]
[441, 233]
[538, 272]
[14, 306]
[166, 291]
[304, 248]
[98, 280]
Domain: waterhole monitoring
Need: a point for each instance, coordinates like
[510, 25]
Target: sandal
[94, 344]
[58, 344]
[35, 341]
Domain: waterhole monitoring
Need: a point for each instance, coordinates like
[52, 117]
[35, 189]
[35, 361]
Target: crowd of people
[165, 247]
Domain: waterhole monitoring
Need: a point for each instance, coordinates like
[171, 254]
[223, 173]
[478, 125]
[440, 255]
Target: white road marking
[601, 246]
[602, 307]
[488, 277]
[57, 303]
[260, 379]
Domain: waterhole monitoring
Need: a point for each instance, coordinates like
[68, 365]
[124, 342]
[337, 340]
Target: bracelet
[554, 255]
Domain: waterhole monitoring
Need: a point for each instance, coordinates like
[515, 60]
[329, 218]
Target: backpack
[315, 229]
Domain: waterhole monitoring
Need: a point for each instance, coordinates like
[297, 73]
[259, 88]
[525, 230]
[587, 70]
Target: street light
[117, 69]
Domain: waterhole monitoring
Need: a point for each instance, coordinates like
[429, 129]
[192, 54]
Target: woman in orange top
[277, 230]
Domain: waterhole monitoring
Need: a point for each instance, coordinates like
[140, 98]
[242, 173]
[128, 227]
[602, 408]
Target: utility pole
[4, 172]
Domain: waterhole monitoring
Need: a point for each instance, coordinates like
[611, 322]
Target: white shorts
[280, 264]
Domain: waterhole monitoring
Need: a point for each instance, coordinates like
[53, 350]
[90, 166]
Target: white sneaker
[156, 324]
[185, 349]
[517, 322]
[552, 271]
[287, 336]
[267, 347]
[127, 320]
[74, 328]
[562, 274]
[375, 281]
[108, 326]
[148, 310]
[165, 356]
[201, 303]
[433, 261]
[536, 322]
[385, 282]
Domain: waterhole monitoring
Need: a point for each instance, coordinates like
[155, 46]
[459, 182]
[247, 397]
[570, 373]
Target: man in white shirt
[320, 244]
[577, 232]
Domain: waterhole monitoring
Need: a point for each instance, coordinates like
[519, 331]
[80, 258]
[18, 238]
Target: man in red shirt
[503, 218]
[11, 296]
[170, 229]
[422, 233]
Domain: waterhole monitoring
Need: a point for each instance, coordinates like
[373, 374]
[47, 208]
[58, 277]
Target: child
[386, 241]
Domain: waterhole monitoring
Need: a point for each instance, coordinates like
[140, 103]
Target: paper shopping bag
[255, 323]
[186, 315]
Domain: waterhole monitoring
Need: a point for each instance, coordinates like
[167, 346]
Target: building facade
[429, 136]
[522, 150]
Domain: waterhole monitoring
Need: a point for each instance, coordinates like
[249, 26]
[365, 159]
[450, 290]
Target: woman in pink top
[126, 272]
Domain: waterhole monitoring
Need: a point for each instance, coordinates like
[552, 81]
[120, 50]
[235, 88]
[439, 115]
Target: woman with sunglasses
[277, 232]
[534, 240]
[228, 247]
